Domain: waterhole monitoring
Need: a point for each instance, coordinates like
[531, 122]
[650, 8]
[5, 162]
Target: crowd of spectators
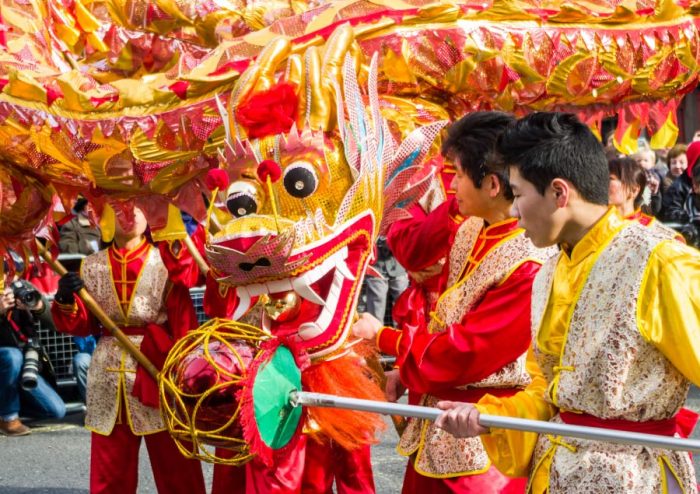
[672, 191]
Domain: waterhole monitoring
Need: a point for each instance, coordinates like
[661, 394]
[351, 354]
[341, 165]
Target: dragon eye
[243, 199]
[300, 179]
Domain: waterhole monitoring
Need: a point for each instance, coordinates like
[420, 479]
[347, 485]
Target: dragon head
[315, 175]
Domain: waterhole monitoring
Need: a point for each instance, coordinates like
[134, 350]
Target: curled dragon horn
[323, 73]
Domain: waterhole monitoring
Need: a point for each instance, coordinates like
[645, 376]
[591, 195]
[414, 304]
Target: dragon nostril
[249, 266]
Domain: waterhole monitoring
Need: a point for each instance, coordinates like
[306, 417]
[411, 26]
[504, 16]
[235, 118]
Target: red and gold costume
[418, 243]
[474, 344]
[154, 310]
[615, 345]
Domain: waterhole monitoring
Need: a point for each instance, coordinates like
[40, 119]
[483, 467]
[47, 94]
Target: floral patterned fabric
[607, 369]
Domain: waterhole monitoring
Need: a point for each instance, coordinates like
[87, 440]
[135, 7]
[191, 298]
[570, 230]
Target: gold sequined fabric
[112, 369]
[437, 453]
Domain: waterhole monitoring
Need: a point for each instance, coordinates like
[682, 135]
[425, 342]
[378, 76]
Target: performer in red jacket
[131, 283]
[477, 336]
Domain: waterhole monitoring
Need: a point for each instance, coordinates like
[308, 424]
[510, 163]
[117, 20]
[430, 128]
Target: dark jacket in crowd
[79, 236]
[675, 198]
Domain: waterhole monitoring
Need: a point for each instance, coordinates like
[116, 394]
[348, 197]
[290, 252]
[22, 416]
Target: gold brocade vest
[112, 370]
[438, 453]
[607, 369]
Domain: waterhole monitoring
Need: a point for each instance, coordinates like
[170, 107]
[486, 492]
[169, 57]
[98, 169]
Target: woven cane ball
[201, 384]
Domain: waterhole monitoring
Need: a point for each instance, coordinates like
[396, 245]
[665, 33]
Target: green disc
[276, 419]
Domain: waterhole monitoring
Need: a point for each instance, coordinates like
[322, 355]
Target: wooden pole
[100, 314]
[203, 266]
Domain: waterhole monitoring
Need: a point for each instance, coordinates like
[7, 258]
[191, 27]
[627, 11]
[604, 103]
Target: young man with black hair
[476, 340]
[616, 326]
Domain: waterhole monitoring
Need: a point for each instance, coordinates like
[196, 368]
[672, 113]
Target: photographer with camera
[25, 370]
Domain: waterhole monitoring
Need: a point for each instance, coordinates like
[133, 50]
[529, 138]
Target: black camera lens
[30, 367]
[25, 294]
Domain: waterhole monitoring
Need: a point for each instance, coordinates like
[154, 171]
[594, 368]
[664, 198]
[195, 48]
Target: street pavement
[54, 459]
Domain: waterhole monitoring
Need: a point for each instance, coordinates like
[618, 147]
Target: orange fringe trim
[351, 377]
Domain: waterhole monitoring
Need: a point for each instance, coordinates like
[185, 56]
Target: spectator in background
[655, 191]
[393, 282]
[691, 228]
[677, 160]
[646, 158]
[674, 200]
[20, 305]
[79, 235]
[81, 361]
[696, 136]
[628, 182]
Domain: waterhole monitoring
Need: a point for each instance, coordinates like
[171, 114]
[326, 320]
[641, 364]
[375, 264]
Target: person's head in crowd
[646, 158]
[692, 153]
[696, 180]
[480, 183]
[558, 174]
[677, 160]
[80, 206]
[627, 183]
[610, 139]
[696, 136]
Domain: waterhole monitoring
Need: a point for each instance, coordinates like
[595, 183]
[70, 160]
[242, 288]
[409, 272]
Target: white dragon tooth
[256, 289]
[305, 291]
[345, 270]
[279, 286]
[243, 303]
[309, 330]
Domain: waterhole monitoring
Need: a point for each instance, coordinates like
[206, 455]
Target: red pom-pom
[269, 168]
[269, 112]
[216, 179]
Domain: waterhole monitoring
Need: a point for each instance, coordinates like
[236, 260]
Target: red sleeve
[424, 239]
[182, 316]
[219, 300]
[182, 268]
[388, 340]
[75, 319]
[493, 334]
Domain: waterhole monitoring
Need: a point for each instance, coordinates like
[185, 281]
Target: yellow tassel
[174, 228]
[667, 135]
[108, 223]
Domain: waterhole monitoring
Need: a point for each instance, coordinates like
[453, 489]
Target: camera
[31, 366]
[28, 295]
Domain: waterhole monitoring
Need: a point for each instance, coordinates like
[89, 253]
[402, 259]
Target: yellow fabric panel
[511, 451]
[669, 307]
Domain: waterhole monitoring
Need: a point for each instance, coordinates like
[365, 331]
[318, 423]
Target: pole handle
[297, 398]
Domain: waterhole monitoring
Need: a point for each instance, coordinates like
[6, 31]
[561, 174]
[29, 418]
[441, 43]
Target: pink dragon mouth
[326, 277]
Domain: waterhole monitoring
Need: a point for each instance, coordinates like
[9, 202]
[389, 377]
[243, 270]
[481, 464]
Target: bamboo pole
[203, 266]
[297, 398]
[106, 321]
